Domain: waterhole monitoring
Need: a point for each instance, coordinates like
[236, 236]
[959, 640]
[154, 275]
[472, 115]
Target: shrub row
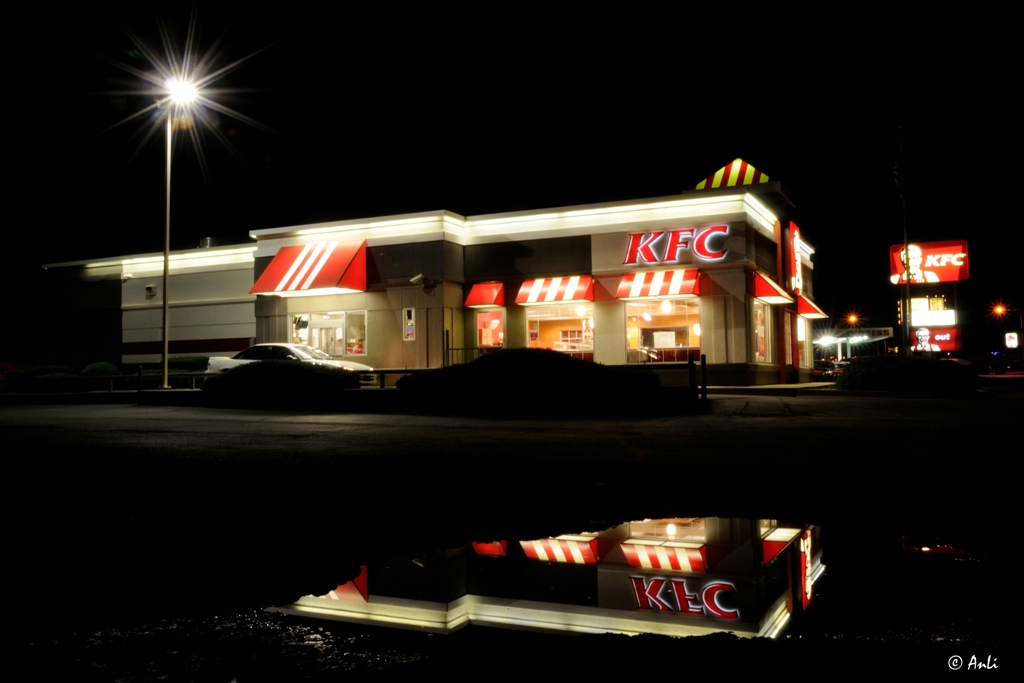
[906, 373]
[61, 378]
[279, 384]
[532, 381]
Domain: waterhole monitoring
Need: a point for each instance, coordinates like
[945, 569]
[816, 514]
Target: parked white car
[299, 352]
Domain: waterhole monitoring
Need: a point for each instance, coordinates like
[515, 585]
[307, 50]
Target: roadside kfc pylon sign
[929, 262]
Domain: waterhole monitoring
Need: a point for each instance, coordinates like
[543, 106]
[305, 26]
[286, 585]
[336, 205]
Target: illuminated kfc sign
[929, 262]
[672, 595]
[796, 276]
[936, 339]
[667, 246]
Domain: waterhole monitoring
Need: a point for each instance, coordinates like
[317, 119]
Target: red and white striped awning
[486, 294]
[768, 292]
[556, 290]
[353, 591]
[315, 268]
[571, 549]
[659, 284]
[775, 542]
[806, 308]
[680, 557]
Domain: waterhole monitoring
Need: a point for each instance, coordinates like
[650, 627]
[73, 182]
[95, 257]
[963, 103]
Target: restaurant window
[669, 529]
[801, 341]
[337, 333]
[762, 338]
[490, 328]
[568, 328]
[663, 330]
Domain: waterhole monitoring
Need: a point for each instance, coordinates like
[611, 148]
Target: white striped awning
[556, 290]
[659, 284]
[766, 291]
[353, 591]
[315, 268]
[668, 555]
[571, 549]
[806, 308]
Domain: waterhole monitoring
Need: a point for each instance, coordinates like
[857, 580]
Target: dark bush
[531, 380]
[906, 373]
[25, 380]
[188, 363]
[280, 384]
[100, 370]
[56, 383]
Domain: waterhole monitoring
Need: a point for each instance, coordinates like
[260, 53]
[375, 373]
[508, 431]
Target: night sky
[391, 112]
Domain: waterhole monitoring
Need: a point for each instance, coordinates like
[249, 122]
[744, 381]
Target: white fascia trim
[198, 255]
[509, 613]
[611, 217]
[191, 304]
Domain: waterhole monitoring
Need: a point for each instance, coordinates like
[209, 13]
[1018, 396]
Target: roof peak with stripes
[737, 172]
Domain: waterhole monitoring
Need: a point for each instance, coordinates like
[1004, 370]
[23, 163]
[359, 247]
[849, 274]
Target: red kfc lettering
[700, 244]
[648, 596]
[640, 247]
[676, 242]
[710, 599]
[647, 593]
[688, 603]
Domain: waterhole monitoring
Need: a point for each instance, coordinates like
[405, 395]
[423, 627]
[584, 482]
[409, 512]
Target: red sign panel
[796, 277]
[929, 262]
[935, 339]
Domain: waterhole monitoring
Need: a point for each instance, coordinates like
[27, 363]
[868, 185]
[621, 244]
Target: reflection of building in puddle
[678, 576]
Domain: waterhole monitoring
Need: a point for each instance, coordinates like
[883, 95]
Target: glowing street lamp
[181, 93]
[182, 86]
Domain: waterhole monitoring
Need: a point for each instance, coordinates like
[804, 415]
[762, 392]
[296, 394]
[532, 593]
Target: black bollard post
[691, 368]
[703, 377]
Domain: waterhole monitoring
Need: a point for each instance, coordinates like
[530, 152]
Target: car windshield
[309, 353]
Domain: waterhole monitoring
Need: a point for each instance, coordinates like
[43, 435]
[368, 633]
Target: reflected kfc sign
[936, 339]
[929, 262]
[666, 246]
[672, 595]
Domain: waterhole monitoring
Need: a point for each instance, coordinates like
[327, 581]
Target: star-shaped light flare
[183, 84]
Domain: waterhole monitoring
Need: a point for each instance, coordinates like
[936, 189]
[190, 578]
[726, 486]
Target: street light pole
[180, 95]
[164, 384]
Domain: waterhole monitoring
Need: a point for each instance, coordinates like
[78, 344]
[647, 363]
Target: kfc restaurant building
[680, 576]
[718, 270]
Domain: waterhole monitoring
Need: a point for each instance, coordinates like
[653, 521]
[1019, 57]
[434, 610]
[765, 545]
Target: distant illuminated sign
[929, 262]
[935, 318]
[1012, 340]
[930, 312]
[673, 595]
[935, 339]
